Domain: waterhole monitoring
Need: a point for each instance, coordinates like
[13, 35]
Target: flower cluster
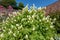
[29, 25]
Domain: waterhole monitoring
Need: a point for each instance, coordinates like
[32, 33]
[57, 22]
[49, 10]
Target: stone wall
[53, 7]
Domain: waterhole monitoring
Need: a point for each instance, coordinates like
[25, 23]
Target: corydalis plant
[28, 25]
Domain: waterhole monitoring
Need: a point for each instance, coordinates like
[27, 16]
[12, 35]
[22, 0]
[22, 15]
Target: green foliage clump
[21, 6]
[13, 3]
[28, 25]
[6, 3]
[56, 15]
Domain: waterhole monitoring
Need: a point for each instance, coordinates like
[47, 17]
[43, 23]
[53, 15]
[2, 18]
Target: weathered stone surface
[53, 7]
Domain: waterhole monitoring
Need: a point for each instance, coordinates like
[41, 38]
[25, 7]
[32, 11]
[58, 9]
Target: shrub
[57, 22]
[28, 25]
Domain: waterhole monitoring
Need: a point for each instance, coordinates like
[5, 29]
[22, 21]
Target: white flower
[4, 30]
[25, 9]
[19, 13]
[9, 29]
[23, 19]
[30, 11]
[33, 16]
[44, 18]
[20, 27]
[41, 15]
[47, 17]
[26, 36]
[29, 18]
[14, 13]
[14, 34]
[13, 16]
[14, 20]
[2, 35]
[46, 28]
[54, 19]
[40, 20]
[51, 26]
[51, 38]
[28, 21]
[47, 20]
[21, 39]
[50, 19]
[33, 28]
[32, 20]
[10, 32]
[17, 24]
[51, 22]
